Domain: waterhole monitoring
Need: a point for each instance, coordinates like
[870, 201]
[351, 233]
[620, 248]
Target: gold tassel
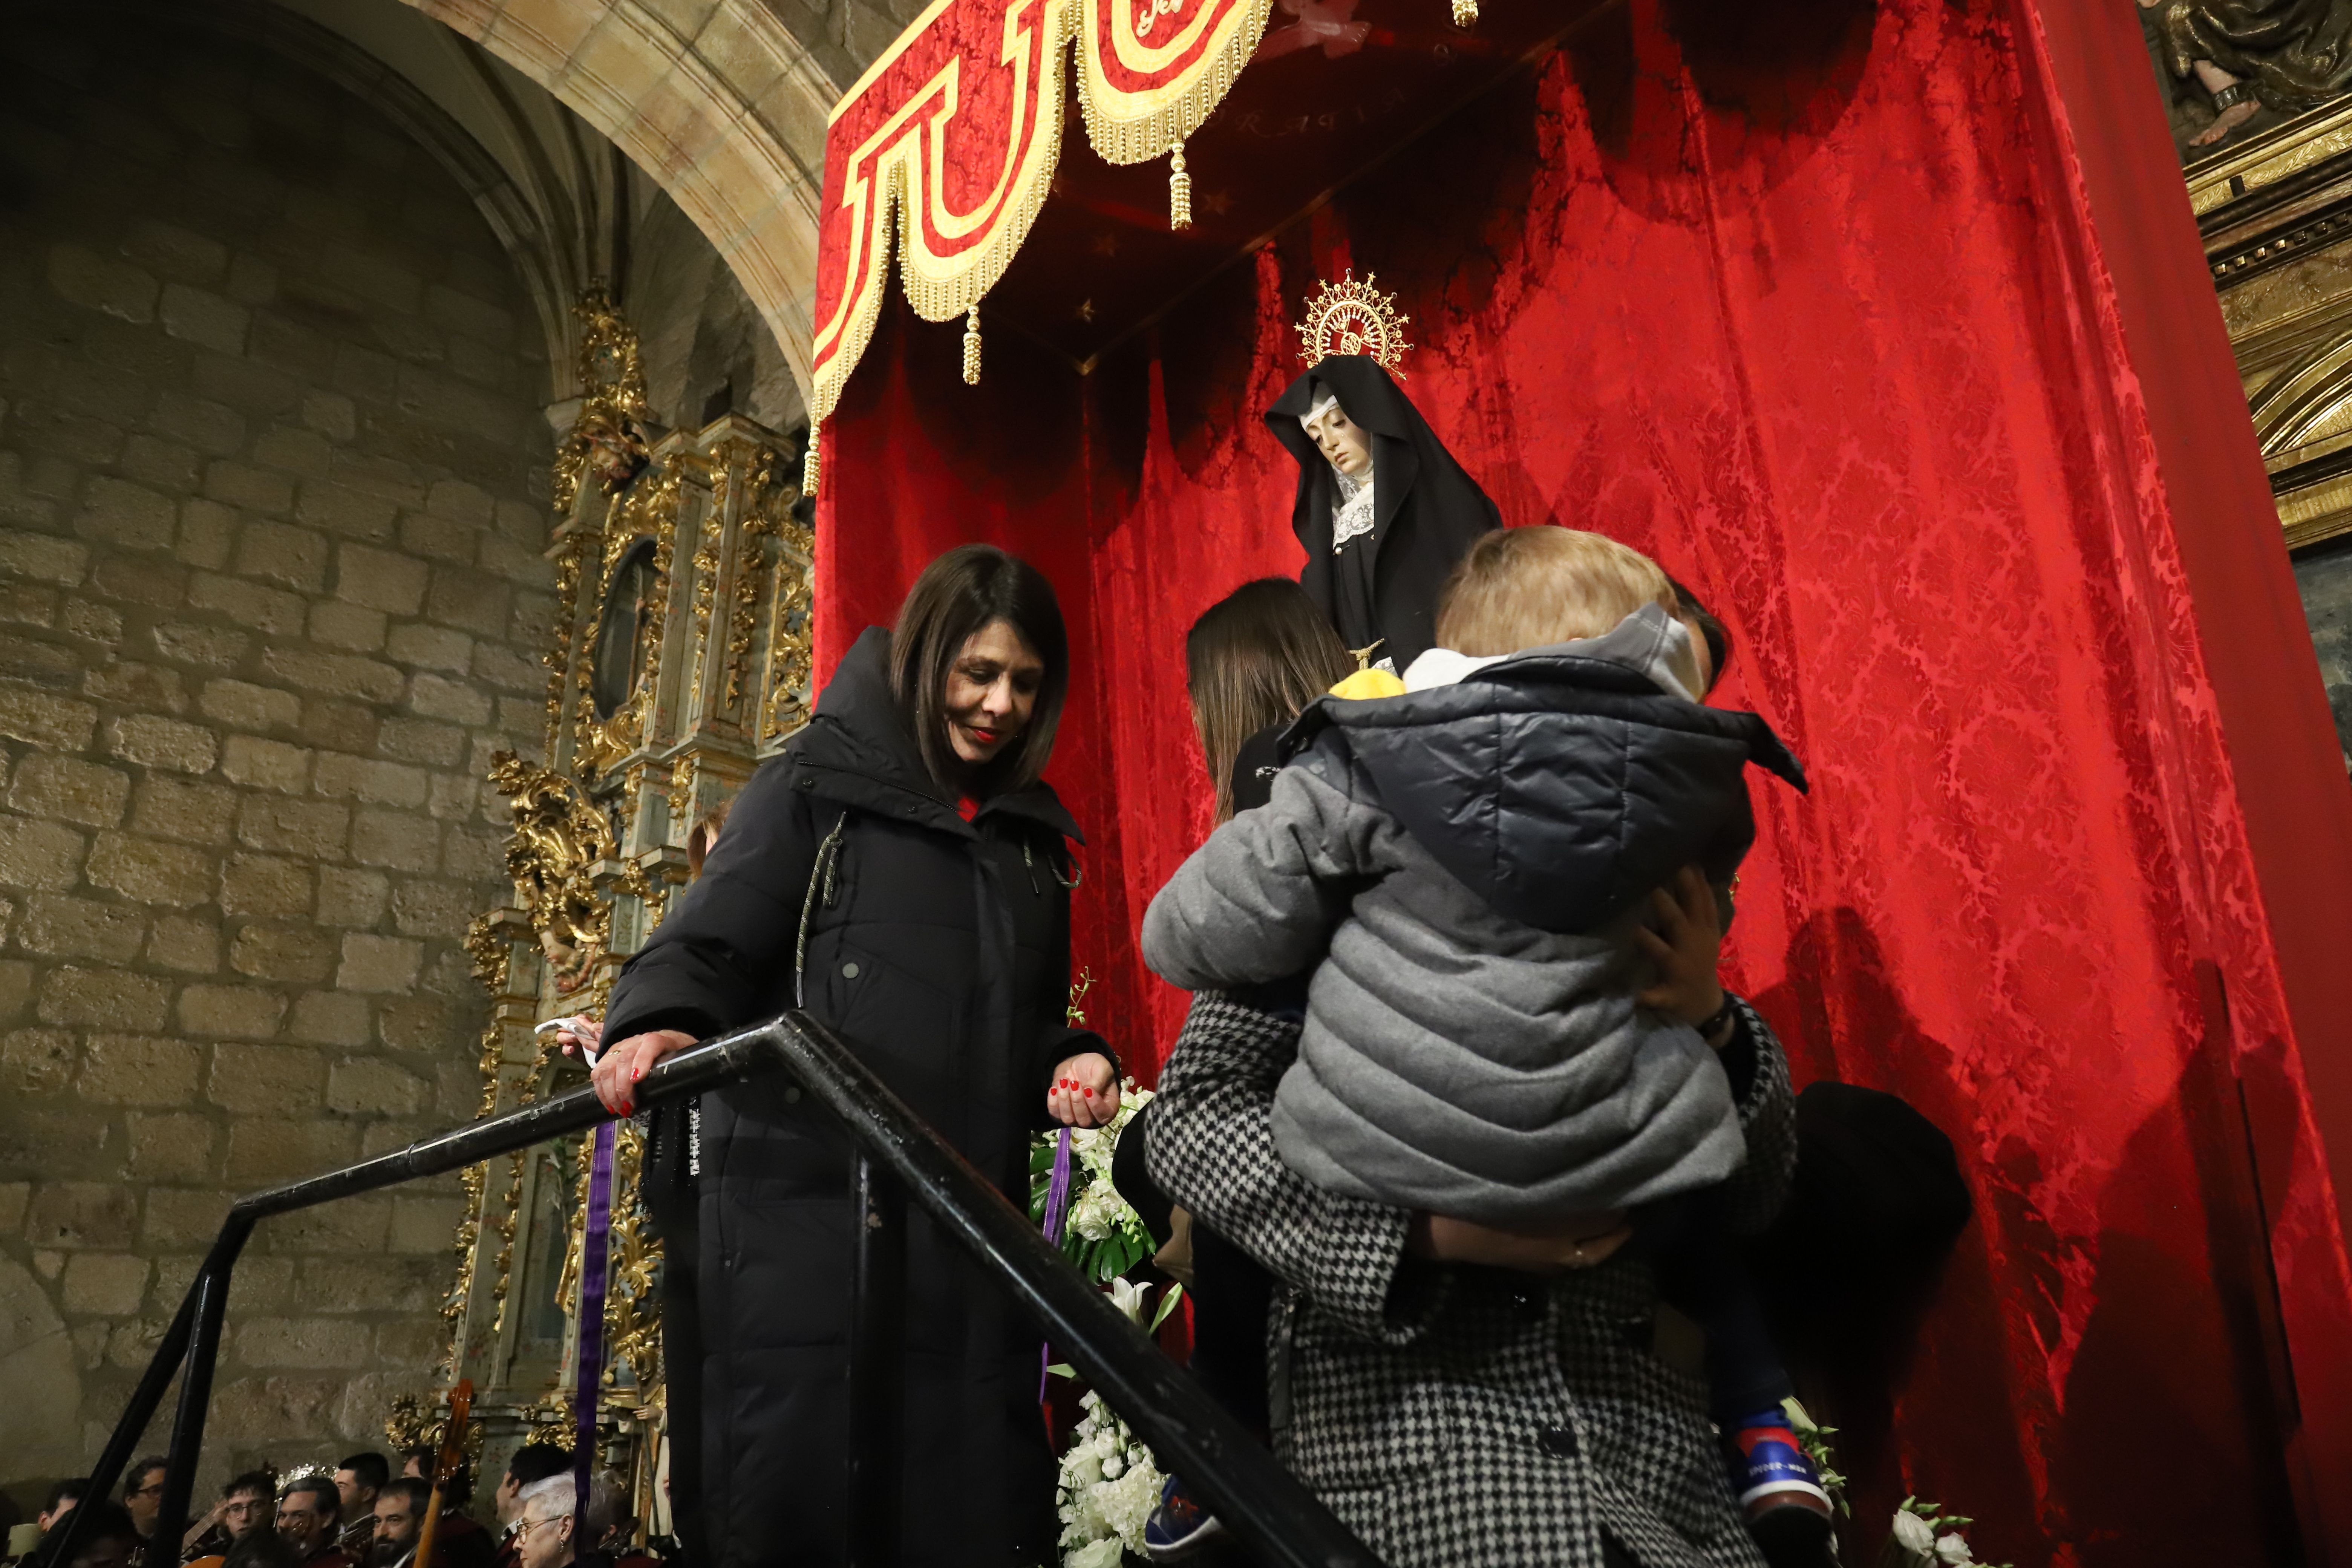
[971, 345]
[1465, 13]
[1179, 184]
[808, 463]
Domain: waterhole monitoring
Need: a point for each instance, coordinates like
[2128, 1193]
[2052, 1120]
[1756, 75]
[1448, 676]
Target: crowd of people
[357, 1515]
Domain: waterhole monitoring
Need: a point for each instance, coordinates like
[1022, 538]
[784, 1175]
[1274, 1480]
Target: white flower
[1952, 1549]
[1915, 1535]
[1091, 1217]
[1103, 1553]
[1130, 1299]
[1126, 1504]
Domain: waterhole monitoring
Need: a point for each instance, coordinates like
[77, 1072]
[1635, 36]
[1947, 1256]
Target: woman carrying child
[1464, 1347]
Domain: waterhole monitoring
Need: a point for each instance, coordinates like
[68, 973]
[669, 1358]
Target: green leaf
[1063, 1369]
[1167, 1305]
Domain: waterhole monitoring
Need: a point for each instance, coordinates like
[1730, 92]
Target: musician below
[359, 1480]
[245, 1505]
[400, 1508]
[310, 1517]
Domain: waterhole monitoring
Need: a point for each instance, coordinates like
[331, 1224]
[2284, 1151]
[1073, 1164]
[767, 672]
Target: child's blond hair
[1531, 587]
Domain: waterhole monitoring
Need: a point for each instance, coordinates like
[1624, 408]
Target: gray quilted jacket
[1463, 1418]
[1472, 857]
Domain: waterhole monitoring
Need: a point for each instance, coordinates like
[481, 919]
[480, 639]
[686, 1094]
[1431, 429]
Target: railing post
[877, 1326]
[211, 1296]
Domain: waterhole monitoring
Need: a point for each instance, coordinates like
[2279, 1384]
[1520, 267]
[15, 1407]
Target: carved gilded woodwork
[677, 660]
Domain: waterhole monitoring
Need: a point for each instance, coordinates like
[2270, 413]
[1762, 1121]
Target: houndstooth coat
[1459, 1416]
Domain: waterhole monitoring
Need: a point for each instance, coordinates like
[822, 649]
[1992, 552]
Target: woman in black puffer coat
[907, 835]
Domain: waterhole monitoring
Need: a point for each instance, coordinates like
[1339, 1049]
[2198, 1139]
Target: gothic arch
[715, 99]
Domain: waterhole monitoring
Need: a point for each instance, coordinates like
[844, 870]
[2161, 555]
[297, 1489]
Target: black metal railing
[897, 1156]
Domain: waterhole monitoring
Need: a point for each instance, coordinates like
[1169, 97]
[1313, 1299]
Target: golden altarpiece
[677, 661]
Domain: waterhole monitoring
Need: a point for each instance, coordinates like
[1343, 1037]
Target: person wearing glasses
[245, 1505]
[309, 1516]
[544, 1533]
[143, 1495]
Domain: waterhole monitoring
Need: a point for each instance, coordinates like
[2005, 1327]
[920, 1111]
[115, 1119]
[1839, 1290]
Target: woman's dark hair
[263, 1548]
[1717, 635]
[962, 592]
[1253, 659]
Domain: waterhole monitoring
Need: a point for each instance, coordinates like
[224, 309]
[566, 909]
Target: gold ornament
[971, 345]
[808, 464]
[1465, 13]
[1179, 189]
[1352, 318]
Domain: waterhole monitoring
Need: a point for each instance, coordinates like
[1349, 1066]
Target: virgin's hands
[1085, 1091]
[1578, 1241]
[617, 1070]
[1683, 936]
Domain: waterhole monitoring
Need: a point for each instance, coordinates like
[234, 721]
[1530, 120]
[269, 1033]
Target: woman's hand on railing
[1085, 1091]
[618, 1070]
[1577, 1241]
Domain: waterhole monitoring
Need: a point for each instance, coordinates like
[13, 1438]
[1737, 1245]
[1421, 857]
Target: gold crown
[1352, 318]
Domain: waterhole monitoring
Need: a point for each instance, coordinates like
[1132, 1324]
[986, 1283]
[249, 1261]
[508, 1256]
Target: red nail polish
[1091, 1094]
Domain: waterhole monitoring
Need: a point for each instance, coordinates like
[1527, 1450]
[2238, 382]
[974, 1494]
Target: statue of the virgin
[1383, 510]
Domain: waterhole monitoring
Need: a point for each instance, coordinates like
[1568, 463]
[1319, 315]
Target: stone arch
[716, 100]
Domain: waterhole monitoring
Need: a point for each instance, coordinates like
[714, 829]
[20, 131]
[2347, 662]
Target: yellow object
[1369, 683]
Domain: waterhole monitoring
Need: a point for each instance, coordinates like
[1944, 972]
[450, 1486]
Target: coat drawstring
[821, 879]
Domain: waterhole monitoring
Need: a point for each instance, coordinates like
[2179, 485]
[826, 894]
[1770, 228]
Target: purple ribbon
[1058, 1210]
[595, 1237]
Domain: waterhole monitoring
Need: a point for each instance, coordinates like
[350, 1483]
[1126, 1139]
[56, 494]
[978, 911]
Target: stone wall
[271, 461]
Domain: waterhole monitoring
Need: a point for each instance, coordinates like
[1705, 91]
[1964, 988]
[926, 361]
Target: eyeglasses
[523, 1532]
[152, 1490]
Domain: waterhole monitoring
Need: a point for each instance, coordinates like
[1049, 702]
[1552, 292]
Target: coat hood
[1560, 784]
[860, 749]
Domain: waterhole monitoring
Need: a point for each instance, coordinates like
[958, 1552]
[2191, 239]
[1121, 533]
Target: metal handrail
[898, 1155]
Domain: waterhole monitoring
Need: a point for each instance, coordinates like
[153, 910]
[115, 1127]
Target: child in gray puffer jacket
[1470, 861]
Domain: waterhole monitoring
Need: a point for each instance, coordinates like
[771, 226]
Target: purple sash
[594, 1239]
[1057, 1209]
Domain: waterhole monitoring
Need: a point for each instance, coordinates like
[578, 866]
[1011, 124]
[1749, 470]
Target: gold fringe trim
[1136, 127]
[1179, 189]
[1125, 128]
[808, 461]
[971, 345]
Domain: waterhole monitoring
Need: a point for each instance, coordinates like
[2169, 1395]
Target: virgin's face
[1341, 440]
[993, 687]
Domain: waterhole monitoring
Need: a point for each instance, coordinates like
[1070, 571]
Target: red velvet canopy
[1883, 325]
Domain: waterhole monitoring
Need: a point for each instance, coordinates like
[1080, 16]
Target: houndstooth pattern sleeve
[1767, 1114]
[1212, 1148]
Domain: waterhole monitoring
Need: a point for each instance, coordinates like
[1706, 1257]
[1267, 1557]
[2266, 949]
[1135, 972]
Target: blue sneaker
[1180, 1526]
[1780, 1493]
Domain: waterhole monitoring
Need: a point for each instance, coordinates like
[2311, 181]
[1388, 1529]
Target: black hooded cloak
[1427, 512]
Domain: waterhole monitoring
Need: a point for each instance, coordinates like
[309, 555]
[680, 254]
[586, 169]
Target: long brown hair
[969, 588]
[1254, 658]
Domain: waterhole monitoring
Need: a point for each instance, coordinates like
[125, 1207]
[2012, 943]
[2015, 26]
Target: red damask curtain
[1885, 326]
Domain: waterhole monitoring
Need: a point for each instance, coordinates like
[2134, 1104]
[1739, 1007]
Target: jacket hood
[1560, 784]
[858, 746]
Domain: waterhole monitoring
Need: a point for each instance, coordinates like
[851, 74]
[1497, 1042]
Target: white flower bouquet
[1103, 1234]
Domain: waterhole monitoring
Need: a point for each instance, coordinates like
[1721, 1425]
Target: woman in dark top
[903, 872]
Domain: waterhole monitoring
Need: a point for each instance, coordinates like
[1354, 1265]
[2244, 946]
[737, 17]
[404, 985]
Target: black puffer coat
[941, 949]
